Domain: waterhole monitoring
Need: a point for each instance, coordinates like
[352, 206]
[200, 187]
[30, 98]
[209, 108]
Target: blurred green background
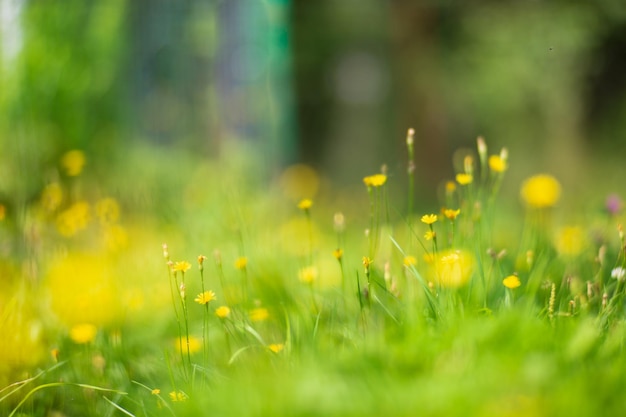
[334, 84]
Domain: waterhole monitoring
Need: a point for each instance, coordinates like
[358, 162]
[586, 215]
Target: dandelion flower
[259, 314]
[367, 261]
[222, 312]
[338, 254]
[430, 235]
[178, 396]
[276, 347]
[307, 275]
[511, 282]
[451, 214]
[305, 204]
[83, 333]
[155, 391]
[497, 163]
[375, 180]
[73, 162]
[464, 179]
[453, 268]
[571, 241]
[541, 191]
[241, 263]
[450, 187]
[181, 266]
[74, 219]
[195, 344]
[429, 218]
[205, 297]
[409, 261]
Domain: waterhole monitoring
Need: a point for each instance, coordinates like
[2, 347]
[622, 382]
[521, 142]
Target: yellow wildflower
[74, 219]
[155, 391]
[83, 333]
[430, 235]
[73, 162]
[181, 266]
[222, 312]
[451, 214]
[205, 297]
[571, 241]
[308, 274]
[107, 211]
[450, 187]
[52, 196]
[409, 261]
[178, 396]
[276, 347]
[195, 344]
[375, 180]
[497, 163]
[453, 268]
[367, 262]
[305, 204]
[511, 282]
[429, 218]
[259, 314]
[241, 263]
[541, 191]
[338, 254]
[464, 179]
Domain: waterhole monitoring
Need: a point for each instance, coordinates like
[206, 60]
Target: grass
[271, 300]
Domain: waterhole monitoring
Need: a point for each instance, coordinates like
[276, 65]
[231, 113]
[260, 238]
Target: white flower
[618, 273]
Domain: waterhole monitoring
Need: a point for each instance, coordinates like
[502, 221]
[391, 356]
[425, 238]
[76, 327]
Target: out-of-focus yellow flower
[52, 196]
[338, 254]
[114, 237]
[541, 191]
[305, 204]
[276, 347]
[83, 333]
[73, 162]
[497, 164]
[155, 391]
[452, 268]
[430, 235]
[181, 266]
[178, 396]
[571, 241]
[511, 282]
[450, 187]
[429, 218]
[409, 261]
[451, 214]
[74, 219]
[377, 180]
[367, 261]
[107, 211]
[307, 275]
[259, 314]
[464, 179]
[241, 263]
[205, 297]
[222, 312]
[195, 344]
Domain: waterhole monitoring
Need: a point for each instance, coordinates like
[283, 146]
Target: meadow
[202, 288]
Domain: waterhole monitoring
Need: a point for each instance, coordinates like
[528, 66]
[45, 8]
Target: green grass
[443, 336]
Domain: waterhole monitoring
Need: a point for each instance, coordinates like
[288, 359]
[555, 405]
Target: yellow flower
[259, 314]
[450, 187]
[178, 396]
[571, 241]
[107, 211]
[73, 162]
[367, 262]
[83, 333]
[375, 180]
[305, 204]
[155, 391]
[205, 297]
[74, 219]
[181, 266]
[429, 218]
[338, 254]
[195, 344]
[451, 214]
[497, 163]
[308, 274]
[464, 179]
[52, 196]
[511, 282]
[409, 260]
[430, 235]
[541, 191]
[452, 268]
[222, 312]
[276, 347]
[241, 263]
